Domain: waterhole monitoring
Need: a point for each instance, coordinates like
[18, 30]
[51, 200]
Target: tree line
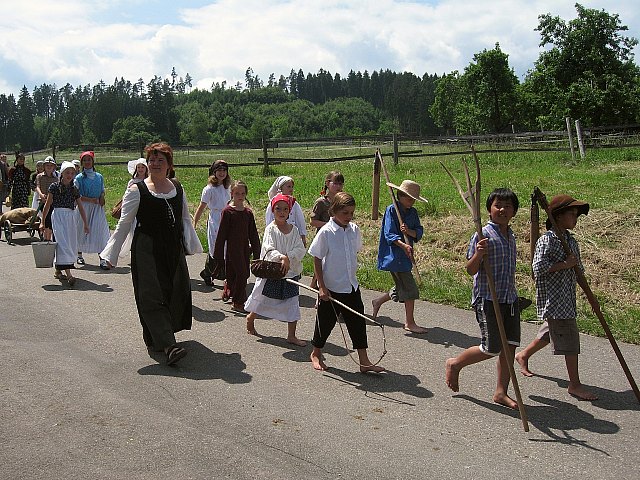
[586, 71]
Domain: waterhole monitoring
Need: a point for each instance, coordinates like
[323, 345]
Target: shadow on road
[555, 415]
[201, 364]
[607, 399]
[380, 385]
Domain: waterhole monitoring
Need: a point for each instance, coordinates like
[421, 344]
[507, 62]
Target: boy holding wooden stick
[556, 293]
[395, 254]
[500, 246]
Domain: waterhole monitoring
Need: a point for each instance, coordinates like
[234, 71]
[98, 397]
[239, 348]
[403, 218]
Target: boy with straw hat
[395, 254]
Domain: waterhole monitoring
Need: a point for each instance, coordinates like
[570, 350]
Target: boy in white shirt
[334, 251]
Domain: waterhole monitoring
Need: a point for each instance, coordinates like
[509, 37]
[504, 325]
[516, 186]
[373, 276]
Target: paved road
[81, 398]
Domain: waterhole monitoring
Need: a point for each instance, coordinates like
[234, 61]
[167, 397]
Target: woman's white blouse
[130, 204]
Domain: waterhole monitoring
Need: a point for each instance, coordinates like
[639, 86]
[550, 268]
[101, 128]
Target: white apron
[64, 225]
[98, 229]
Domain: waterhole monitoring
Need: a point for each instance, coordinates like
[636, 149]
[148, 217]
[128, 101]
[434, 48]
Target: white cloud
[81, 42]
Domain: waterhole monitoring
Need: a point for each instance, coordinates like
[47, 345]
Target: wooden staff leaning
[534, 227]
[398, 215]
[593, 301]
[471, 198]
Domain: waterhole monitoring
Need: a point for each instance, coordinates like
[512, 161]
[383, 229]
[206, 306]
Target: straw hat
[409, 187]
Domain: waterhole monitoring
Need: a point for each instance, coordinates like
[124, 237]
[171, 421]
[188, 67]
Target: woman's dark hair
[504, 194]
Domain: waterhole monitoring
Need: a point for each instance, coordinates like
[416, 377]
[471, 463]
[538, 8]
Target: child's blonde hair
[340, 201]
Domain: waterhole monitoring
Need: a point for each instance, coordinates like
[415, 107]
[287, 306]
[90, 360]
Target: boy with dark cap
[556, 280]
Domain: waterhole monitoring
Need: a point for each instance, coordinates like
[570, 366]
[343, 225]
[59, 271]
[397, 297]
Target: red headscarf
[288, 199]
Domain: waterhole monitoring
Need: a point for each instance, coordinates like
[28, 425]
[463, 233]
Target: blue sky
[83, 41]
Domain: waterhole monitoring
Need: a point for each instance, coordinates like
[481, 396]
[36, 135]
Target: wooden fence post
[265, 157]
[53, 152]
[395, 149]
[570, 136]
[375, 196]
[580, 139]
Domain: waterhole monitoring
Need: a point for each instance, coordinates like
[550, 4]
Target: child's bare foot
[582, 393]
[376, 303]
[506, 400]
[451, 375]
[252, 331]
[413, 328]
[296, 341]
[317, 363]
[371, 368]
[524, 365]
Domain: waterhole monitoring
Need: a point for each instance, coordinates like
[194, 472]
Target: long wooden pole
[472, 199]
[399, 216]
[534, 227]
[593, 301]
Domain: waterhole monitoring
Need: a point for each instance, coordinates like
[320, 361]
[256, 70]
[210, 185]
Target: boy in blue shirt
[394, 254]
[499, 245]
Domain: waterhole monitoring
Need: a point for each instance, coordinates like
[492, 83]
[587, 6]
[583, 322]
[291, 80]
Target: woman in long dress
[163, 236]
[91, 186]
[19, 181]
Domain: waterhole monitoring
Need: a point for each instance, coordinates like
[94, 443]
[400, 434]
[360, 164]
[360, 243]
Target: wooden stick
[375, 189]
[399, 216]
[593, 301]
[471, 198]
[347, 307]
[317, 292]
[534, 227]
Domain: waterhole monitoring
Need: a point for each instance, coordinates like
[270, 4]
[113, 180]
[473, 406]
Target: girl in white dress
[279, 299]
[64, 197]
[91, 186]
[284, 185]
[215, 195]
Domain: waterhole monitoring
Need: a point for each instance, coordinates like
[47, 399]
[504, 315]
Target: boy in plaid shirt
[499, 246]
[556, 293]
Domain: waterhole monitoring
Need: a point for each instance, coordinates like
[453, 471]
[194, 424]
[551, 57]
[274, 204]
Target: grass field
[607, 179]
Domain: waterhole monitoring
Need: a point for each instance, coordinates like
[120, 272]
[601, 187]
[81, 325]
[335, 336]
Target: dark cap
[562, 202]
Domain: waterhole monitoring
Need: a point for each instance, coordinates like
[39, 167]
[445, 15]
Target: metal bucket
[44, 253]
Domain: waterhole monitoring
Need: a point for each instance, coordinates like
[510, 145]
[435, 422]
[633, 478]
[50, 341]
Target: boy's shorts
[486, 318]
[563, 335]
[405, 287]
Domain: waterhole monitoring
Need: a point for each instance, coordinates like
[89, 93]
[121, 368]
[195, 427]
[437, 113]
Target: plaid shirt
[502, 257]
[556, 291]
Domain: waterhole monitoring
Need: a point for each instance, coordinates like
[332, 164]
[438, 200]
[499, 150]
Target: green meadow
[607, 179]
